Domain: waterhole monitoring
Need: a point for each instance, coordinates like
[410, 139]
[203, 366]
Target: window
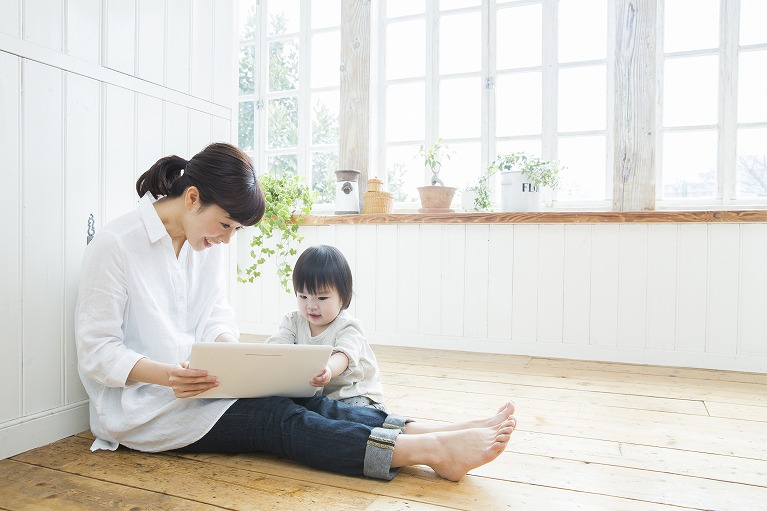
[495, 76]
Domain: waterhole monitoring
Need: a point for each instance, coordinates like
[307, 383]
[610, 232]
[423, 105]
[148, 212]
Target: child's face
[319, 309]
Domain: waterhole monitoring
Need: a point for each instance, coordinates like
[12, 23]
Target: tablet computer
[259, 370]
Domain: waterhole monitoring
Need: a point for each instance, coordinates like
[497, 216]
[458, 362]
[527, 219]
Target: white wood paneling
[42, 267]
[723, 283]
[477, 271]
[632, 285]
[753, 290]
[120, 46]
[345, 236]
[119, 143]
[149, 134]
[365, 278]
[221, 131]
[551, 267]
[225, 43]
[603, 328]
[202, 48]
[408, 298]
[661, 286]
[81, 199]
[176, 128]
[451, 297]
[10, 21]
[500, 283]
[524, 293]
[577, 284]
[692, 285]
[83, 31]
[151, 40]
[386, 290]
[199, 131]
[178, 44]
[430, 279]
[43, 22]
[10, 253]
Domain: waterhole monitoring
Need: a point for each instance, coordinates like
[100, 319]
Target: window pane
[283, 164]
[460, 38]
[691, 25]
[248, 20]
[283, 122]
[584, 176]
[283, 65]
[326, 13]
[529, 146]
[405, 107]
[518, 104]
[284, 16]
[404, 172]
[464, 164]
[445, 5]
[247, 69]
[326, 59]
[753, 22]
[690, 88]
[324, 166]
[519, 37]
[582, 30]
[752, 87]
[460, 103]
[582, 99]
[246, 126]
[405, 49]
[396, 8]
[325, 108]
[689, 164]
[752, 163]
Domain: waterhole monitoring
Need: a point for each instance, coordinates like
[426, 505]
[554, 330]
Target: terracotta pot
[436, 199]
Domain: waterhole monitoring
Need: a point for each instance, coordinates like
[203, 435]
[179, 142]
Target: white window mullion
[659, 98]
[550, 71]
[610, 89]
[304, 160]
[490, 76]
[432, 80]
[260, 117]
[728, 98]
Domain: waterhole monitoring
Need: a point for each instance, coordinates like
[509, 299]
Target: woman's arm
[185, 382]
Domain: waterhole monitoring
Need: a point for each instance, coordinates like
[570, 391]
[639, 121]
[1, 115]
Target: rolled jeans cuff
[380, 448]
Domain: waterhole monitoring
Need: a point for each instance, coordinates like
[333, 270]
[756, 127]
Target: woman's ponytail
[161, 177]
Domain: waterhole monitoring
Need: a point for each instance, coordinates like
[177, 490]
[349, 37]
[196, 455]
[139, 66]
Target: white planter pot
[518, 194]
[467, 200]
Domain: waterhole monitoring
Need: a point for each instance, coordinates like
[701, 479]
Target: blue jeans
[316, 431]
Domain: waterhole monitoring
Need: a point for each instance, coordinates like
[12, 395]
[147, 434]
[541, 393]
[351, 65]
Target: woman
[152, 284]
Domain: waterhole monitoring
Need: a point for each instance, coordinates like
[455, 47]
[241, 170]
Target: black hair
[321, 267]
[222, 173]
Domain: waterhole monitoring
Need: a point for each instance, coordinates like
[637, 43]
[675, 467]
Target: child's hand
[322, 379]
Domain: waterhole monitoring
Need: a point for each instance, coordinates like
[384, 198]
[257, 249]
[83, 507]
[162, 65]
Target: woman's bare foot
[504, 413]
[452, 454]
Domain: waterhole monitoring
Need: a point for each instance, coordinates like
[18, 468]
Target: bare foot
[504, 413]
[451, 454]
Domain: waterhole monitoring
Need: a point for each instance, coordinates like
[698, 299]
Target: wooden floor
[594, 436]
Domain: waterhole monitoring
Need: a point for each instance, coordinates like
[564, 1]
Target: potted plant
[277, 233]
[522, 177]
[437, 197]
[476, 197]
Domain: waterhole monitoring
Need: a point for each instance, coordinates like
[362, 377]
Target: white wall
[680, 294]
[91, 94]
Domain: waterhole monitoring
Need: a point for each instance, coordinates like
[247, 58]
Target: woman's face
[208, 226]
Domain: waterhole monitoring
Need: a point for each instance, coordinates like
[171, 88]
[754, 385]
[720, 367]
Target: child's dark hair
[321, 267]
[223, 174]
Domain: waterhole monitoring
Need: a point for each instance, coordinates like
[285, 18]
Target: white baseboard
[41, 429]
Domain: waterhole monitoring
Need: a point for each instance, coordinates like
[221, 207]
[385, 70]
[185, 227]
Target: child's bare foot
[458, 452]
[504, 413]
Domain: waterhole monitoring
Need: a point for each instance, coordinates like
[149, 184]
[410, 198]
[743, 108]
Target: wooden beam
[635, 92]
[354, 122]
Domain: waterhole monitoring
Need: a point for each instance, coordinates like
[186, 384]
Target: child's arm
[336, 365]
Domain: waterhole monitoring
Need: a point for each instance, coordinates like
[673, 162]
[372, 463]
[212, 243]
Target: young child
[322, 281]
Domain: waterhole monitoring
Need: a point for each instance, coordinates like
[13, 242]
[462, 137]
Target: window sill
[549, 217]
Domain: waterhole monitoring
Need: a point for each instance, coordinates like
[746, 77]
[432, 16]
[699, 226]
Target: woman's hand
[322, 378]
[187, 382]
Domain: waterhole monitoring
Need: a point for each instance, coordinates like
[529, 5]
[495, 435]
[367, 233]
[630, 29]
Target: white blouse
[137, 300]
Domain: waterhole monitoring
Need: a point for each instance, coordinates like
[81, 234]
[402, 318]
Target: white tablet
[259, 370]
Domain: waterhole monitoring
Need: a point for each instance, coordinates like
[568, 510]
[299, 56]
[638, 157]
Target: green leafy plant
[482, 187]
[286, 197]
[433, 158]
[538, 171]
